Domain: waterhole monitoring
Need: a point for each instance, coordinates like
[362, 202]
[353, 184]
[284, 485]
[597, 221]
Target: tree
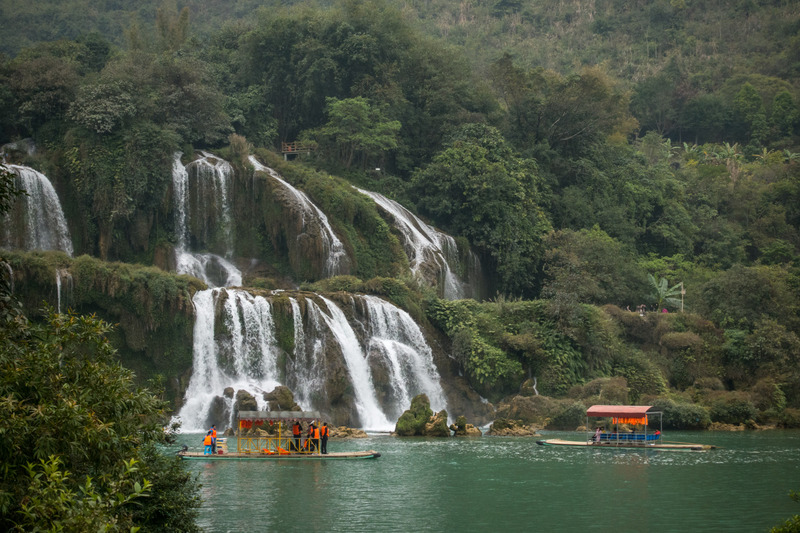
[663, 294]
[477, 188]
[79, 439]
[592, 267]
[356, 129]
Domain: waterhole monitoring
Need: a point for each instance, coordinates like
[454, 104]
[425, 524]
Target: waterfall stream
[235, 348]
[336, 262]
[36, 221]
[427, 248]
[211, 195]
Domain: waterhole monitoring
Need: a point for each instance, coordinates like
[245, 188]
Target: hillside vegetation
[598, 155]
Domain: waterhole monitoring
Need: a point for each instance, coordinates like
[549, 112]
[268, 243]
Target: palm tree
[665, 295]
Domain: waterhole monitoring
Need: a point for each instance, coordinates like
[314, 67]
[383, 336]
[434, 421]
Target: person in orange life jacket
[213, 439]
[309, 437]
[325, 434]
[207, 443]
[315, 442]
[296, 430]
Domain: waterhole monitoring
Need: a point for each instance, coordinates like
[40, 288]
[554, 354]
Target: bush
[571, 417]
[732, 411]
[682, 415]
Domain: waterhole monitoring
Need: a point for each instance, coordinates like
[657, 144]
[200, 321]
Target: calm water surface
[510, 484]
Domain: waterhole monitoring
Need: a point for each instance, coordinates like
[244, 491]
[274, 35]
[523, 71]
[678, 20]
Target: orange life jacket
[213, 433]
[324, 431]
[207, 440]
[316, 433]
[296, 430]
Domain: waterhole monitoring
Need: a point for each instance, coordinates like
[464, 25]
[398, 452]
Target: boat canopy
[619, 411]
[279, 415]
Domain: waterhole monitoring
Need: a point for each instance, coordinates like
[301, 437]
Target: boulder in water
[344, 432]
[462, 429]
[419, 420]
[245, 401]
[281, 399]
[512, 428]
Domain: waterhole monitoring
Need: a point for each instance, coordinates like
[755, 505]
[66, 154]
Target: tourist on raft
[207, 442]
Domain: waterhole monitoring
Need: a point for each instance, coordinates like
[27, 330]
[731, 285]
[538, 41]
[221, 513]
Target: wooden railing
[297, 146]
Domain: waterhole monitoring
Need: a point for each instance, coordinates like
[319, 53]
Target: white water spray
[43, 224]
[425, 246]
[213, 269]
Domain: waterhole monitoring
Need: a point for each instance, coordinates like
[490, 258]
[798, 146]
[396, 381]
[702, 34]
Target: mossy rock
[412, 422]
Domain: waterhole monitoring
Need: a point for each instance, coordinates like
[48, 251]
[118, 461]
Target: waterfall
[213, 178]
[304, 373]
[398, 339]
[336, 262]
[63, 277]
[244, 357]
[427, 248]
[36, 221]
[235, 347]
[369, 412]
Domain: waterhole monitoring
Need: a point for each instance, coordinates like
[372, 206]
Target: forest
[597, 156]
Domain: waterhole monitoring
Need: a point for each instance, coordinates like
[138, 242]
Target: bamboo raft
[623, 444]
[369, 454]
[261, 447]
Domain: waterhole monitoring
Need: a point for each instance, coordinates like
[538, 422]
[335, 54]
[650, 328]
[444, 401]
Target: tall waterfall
[210, 196]
[399, 341]
[36, 221]
[380, 350]
[336, 261]
[428, 249]
[243, 357]
[370, 413]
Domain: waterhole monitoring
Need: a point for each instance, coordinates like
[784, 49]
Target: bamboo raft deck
[368, 454]
[632, 444]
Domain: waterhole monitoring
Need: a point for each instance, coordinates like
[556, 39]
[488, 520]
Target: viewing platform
[296, 147]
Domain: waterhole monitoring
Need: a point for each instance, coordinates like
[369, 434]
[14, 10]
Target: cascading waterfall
[426, 247]
[36, 221]
[395, 336]
[244, 354]
[304, 375]
[336, 262]
[213, 269]
[245, 357]
[370, 413]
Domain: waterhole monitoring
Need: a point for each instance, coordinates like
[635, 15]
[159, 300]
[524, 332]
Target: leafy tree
[664, 294]
[79, 438]
[479, 189]
[592, 267]
[355, 129]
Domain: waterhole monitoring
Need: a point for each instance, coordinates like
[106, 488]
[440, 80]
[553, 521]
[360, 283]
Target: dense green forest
[597, 155]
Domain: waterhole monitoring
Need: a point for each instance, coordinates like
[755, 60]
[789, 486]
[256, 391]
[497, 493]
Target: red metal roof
[618, 410]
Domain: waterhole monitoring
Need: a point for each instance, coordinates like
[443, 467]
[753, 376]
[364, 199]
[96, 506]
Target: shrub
[732, 410]
[682, 415]
[572, 416]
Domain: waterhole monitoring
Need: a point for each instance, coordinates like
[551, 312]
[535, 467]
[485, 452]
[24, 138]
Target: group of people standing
[316, 437]
[210, 441]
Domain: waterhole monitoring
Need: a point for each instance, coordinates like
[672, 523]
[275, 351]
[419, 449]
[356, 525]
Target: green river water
[510, 484]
